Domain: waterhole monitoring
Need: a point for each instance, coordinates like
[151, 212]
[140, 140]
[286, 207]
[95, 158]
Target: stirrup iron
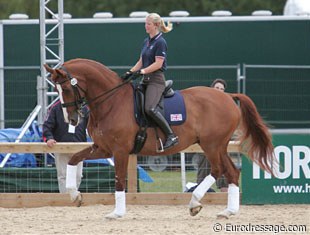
[174, 141]
[161, 147]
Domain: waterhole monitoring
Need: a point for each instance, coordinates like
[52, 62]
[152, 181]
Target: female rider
[152, 64]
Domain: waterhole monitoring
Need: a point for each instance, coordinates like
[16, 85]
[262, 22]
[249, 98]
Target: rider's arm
[137, 66]
[155, 66]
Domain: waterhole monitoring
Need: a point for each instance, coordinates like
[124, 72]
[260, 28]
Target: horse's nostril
[73, 122]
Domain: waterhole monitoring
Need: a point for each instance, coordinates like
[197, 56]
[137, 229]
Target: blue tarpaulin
[34, 134]
[20, 159]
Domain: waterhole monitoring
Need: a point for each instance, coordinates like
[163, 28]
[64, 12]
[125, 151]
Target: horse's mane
[92, 64]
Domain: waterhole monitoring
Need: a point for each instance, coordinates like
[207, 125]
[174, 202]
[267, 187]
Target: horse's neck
[99, 85]
[102, 92]
[113, 110]
[106, 96]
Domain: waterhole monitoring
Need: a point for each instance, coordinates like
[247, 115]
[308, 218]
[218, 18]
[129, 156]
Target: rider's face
[150, 27]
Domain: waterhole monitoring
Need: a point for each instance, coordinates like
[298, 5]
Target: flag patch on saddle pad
[175, 111]
[176, 117]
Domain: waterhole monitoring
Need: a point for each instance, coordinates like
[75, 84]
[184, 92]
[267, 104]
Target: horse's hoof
[195, 210]
[225, 214]
[112, 215]
[78, 200]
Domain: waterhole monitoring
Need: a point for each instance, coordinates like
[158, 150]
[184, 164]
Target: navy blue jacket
[55, 127]
[153, 47]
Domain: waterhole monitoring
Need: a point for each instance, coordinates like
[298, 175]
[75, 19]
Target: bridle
[80, 101]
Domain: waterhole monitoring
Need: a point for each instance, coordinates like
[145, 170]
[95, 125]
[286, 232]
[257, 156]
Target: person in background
[56, 130]
[152, 64]
[203, 163]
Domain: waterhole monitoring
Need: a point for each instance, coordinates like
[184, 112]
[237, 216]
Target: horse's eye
[66, 91]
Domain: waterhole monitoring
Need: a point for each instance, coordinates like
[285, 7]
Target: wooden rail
[26, 199]
[73, 147]
[31, 200]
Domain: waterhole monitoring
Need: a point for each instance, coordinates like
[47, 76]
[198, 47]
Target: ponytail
[159, 21]
[164, 28]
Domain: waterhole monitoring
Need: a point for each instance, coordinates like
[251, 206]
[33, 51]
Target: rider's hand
[136, 75]
[126, 75]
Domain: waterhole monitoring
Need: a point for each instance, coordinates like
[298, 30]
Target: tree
[121, 8]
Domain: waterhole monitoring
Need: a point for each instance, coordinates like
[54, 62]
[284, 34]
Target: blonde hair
[156, 19]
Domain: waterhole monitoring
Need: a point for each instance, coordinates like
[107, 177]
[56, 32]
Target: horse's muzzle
[74, 118]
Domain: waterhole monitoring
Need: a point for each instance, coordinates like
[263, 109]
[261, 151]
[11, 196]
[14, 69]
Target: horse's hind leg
[220, 162]
[195, 205]
[232, 175]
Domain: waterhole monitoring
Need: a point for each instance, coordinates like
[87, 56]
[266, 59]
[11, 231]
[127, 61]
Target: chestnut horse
[212, 118]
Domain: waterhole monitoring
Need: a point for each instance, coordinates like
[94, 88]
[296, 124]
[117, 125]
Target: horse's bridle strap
[65, 105]
[81, 101]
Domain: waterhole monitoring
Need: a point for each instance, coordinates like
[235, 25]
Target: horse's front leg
[72, 173]
[92, 152]
[74, 169]
[121, 164]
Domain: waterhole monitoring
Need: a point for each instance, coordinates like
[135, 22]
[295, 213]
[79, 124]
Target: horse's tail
[255, 140]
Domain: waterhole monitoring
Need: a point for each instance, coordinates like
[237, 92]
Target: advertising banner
[291, 183]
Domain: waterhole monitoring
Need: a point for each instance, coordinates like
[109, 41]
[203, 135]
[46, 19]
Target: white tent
[297, 7]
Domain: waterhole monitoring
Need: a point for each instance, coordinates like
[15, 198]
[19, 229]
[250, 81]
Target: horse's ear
[60, 73]
[54, 72]
[48, 69]
[51, 71]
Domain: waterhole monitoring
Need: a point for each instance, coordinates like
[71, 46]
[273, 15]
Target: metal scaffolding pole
[51, 49]
[2, 122]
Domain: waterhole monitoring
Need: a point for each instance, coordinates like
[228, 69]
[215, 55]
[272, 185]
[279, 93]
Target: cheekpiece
[74, 82]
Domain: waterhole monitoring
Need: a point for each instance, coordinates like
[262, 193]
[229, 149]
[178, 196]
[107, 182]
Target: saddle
[169, 105]
[140, 115]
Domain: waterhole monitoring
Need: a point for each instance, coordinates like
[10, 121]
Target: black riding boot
[171, 139]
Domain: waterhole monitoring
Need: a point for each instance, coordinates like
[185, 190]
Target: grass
[167, 181]
[170, 181]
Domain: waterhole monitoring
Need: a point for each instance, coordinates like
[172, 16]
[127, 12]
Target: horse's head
[69, 94]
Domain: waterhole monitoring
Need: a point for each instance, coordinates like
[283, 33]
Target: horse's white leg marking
[120, 206]
[199, 192]
[232, 202]
[71, 184]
